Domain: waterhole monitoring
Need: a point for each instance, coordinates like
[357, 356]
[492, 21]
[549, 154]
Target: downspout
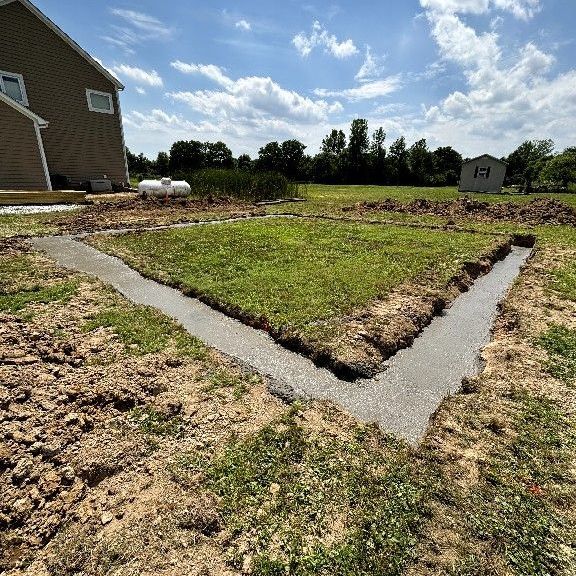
[123, 139]
[43, 155]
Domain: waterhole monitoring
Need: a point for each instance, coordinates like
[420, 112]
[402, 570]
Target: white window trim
[89, 91]
[20, 79]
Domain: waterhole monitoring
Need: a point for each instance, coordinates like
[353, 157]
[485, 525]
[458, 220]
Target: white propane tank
[165, 188]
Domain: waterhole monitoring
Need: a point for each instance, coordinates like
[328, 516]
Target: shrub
[239, 184]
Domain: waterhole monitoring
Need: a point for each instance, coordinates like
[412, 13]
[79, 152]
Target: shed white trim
[485, 156]
[123, 142]
[66, 39]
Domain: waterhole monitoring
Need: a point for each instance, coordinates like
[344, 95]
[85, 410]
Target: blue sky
[478, 75]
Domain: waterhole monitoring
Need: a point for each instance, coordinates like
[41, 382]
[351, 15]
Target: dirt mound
[135, 213]
[51, 404]
[537, 212]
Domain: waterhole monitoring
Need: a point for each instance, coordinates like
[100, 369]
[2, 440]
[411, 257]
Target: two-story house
[60, 113]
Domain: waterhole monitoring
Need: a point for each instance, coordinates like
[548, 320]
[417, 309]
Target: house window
[100, 101]
[482, 172]
[13, 85]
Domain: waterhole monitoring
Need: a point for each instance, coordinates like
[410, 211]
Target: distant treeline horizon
[360, 158]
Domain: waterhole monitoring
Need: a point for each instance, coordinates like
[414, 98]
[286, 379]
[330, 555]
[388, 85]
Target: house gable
[66, 39]
[80, 143]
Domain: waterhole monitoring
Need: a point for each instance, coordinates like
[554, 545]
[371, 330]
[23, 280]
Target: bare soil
[537, 212]
[71, 453]
[140, 213]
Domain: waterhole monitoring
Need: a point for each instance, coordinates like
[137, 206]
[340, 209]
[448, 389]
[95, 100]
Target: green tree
[561, 169]
[217, 155]
[244, 162]
[378, 157]
[334, 144]
[447, 164]
[421, 163]
[292, 158]
[270, 158]
[398, 168]
[527, 161]
[186, 156]
[162, 167]
[139, 166]
[357, 151]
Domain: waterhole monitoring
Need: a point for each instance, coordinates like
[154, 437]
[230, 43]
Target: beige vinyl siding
[78, 143]
[20, 160]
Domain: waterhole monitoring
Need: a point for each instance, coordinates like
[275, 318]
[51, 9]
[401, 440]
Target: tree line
[361, 158]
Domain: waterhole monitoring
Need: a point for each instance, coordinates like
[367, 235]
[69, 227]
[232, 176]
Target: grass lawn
[330, 199]
[297, 273]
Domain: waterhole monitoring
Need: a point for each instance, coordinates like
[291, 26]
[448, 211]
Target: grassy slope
[293, 272]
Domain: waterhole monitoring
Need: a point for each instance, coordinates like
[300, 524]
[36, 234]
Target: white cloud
[366, 91]
[136, 28]
[321, 37]
[522, 9]
[210, 71]
[146, 23]
[141, 91]
[371, 67]
[157, 130]
[250, 98]
[151, 78]
[243, 25]
[506, 100]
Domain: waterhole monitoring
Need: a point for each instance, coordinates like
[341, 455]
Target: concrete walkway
[401, 399]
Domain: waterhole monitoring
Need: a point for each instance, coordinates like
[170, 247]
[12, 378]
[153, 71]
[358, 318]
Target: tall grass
[239, 184]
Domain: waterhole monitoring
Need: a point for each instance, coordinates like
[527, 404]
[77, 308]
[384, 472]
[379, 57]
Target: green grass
[58, 293]
[152, 422]
[146, 331]
[307, 504]
[31, 224]
[560, 343]
[294, 273]
[565, 281]
[515, 511]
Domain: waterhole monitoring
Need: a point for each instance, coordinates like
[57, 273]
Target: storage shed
[482, 174]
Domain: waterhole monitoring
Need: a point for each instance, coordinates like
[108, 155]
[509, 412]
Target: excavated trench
[401, 399]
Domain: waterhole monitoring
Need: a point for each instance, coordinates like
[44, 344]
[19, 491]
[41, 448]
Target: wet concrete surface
[401, 400]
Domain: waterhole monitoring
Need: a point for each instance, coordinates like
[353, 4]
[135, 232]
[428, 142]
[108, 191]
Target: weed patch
[515, 509]
[224, 379]
[560, 343]
[149, 421]
[145, 331]
[303, 503]
[61, 292]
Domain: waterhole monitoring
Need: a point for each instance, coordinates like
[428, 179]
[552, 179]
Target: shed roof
[23, 110]
[485, 156]
[66, 39]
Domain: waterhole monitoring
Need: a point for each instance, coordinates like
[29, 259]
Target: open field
[349, 295]
[131, 448]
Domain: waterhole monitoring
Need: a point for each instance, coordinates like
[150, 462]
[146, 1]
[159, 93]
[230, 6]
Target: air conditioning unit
[102, 185]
